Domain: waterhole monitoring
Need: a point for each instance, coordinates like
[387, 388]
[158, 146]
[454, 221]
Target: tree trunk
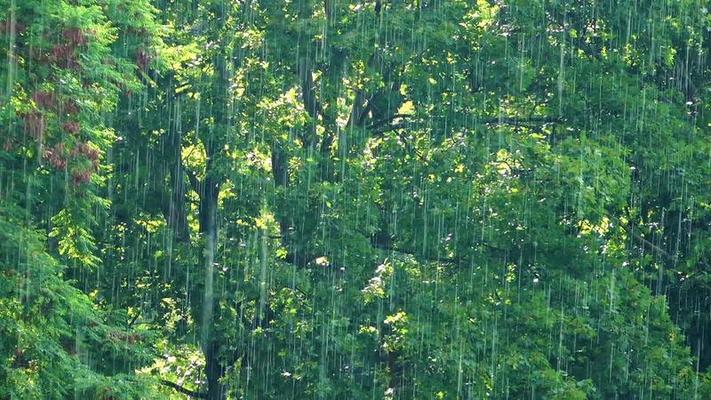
[208, 227]
[177, 212]
[210, 191]
[214, 370]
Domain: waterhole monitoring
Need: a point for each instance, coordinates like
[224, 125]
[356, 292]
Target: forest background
[336, 199]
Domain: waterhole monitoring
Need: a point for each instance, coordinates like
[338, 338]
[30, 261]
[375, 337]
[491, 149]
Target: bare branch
[653, 246]
[180, 389]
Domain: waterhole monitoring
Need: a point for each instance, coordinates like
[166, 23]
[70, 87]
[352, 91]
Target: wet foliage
[405, 199]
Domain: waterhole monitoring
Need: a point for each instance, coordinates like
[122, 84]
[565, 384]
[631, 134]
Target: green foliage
[53, 335]
[354, 199]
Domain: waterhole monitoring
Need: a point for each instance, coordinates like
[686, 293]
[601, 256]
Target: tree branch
[133, 320]
[361, 105]
[377, 127]
[357, 109]
[653, 246]
[520, 121]
[308, 90]
[194, 182]
[180, 389]
[419, 257]
[390, 128]
[387, 120]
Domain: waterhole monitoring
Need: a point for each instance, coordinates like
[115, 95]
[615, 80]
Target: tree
[356, 199]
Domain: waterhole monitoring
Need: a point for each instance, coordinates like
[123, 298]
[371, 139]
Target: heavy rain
[355, 199]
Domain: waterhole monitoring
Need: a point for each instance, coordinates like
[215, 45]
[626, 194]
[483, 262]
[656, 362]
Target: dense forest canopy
[355, 199]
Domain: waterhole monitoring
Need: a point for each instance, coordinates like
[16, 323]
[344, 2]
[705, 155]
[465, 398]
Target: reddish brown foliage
[63, 55]
[71, 107]
[90, 153]
[56, 156]
[35, 124]
[75, 36]
[87, 151]
[44, 99]
[71, 127]
[81, 176]
[62, 51]
[143, 59]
